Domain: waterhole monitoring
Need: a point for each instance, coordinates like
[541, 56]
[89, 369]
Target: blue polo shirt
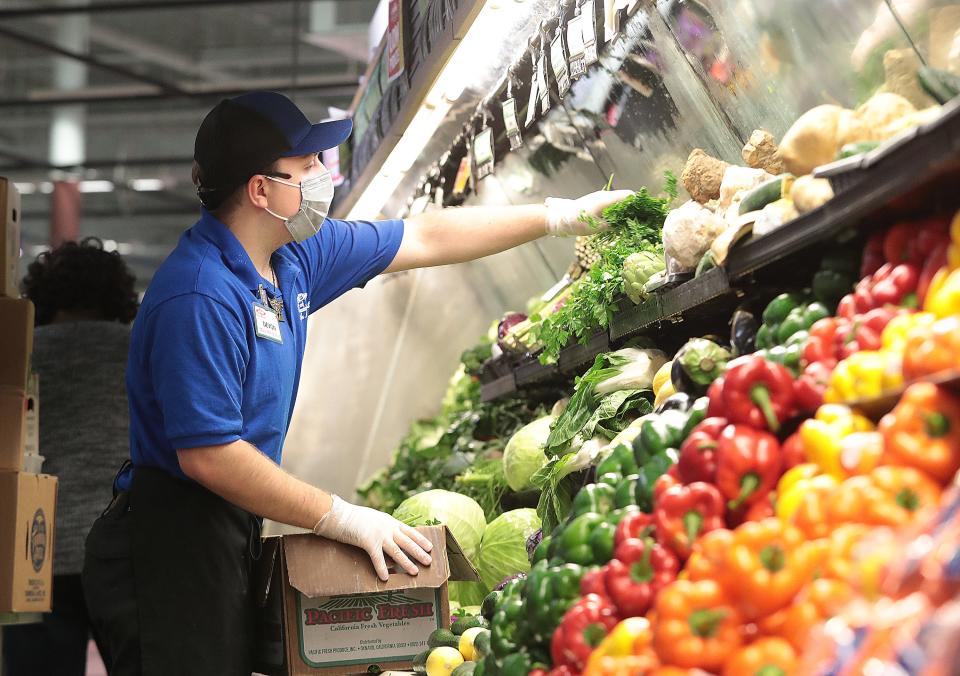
[198, 372]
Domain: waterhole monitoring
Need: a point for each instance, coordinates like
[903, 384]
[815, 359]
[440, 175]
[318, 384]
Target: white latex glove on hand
[377, 534]
[570, 218]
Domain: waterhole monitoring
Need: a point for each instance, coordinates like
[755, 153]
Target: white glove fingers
[417, 537]
[402, 560]
[379, 563]
[412, 548]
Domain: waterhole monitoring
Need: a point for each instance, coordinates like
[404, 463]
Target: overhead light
[109, 245]
[471, 57]
[96, 186]
[147, 184]
[25, 188]
[46, 187]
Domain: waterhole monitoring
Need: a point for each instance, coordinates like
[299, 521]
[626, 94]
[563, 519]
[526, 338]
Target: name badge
[266, 324]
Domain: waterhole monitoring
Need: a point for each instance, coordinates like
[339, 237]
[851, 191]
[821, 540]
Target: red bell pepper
[896, 243]
[664, 482]
[581, 630]
[592, 583]
[937, 260]
[684, 513]
[715, 408]
[864, 333]
[637, 573]
[820, 346]
[635, 525]
[896, 285]
[758, 511]
[748, 464]
[698, 454]
[873, 256]
[847, 308]
[758, 393]
[810, 387]
[928, 236]
[793, 452]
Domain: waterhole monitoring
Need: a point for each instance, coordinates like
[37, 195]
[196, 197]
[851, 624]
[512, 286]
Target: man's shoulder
[196, 271]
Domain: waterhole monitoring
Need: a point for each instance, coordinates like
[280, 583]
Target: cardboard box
[27, 515]
[324, 611]
[16, 342]
[9, 239]
[19, 425]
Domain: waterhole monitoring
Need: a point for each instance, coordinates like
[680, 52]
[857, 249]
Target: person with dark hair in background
[85, 301]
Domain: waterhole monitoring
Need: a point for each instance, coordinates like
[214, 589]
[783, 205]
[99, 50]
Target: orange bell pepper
[763, 657]
[923, 431]
[819, 601]
[678, 671]
[888, 496]
[768, 564]
[908, 492]
[707, 560]
[838, 562]
[810, 513]
[695, 626]
[932, 349]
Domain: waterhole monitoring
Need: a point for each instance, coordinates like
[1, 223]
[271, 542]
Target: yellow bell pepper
[630, 637]
[822, 436]
[788, 495]
[864, 375]
[788, 502]
[955, 228]
[943, 297]
[662, 376]
[897, 332]
[953, 257]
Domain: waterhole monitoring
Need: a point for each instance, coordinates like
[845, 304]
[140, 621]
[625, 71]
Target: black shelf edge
[573, 357]
[532, 372]
[632, 320]
[498, 388]
[695, 293]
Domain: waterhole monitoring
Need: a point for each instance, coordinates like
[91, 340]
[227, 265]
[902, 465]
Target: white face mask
[316, 193]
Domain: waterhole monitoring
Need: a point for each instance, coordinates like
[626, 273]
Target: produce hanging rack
[924, 156]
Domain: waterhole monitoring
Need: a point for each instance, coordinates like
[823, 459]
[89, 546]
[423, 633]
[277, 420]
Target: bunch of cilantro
[635, 225]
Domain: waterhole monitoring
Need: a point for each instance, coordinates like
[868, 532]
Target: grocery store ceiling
[135, 78]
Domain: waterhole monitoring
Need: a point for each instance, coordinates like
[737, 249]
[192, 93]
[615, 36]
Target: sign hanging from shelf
[510, 121]
[534, 90]
[576, 47]
[394, 41]
[558, 60]
[483, 152]
[463, 176]
[543, 87]
[588, 31]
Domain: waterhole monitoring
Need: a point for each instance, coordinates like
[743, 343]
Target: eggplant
[697, 365]
[743, 332]
[681, 401]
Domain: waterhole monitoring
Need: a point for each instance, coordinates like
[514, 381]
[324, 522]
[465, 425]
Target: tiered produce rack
[925, 160]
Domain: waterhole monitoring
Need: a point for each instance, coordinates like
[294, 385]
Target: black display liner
[862, 185]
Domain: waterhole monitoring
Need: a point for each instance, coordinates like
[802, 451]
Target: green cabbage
[503, 550]
[524, 455]
[462, 515]
[467, 593]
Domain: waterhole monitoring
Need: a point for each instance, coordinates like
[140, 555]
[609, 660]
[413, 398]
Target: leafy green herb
[635, 225]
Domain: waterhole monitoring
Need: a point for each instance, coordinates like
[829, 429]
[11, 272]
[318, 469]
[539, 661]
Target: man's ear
[255, 191]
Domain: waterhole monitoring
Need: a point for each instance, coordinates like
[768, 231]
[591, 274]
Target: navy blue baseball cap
[243, 136]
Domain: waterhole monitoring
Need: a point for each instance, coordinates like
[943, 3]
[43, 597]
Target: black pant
[167, 580]
[57, 645]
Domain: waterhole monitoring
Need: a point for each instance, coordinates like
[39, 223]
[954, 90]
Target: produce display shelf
[862, 185]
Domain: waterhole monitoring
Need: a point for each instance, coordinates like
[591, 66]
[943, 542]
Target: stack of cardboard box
[27, 499]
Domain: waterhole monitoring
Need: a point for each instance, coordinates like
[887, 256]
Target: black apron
[168, 579]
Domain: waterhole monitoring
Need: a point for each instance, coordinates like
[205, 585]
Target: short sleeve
[345, 255]
[197, 366]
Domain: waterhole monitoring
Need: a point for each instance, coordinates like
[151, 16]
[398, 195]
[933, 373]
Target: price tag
[510, 123]
[558, 59]
[575, 47]
[534, 94]
[483, 153]
[543, 88]
[463, 176]
[588, 30]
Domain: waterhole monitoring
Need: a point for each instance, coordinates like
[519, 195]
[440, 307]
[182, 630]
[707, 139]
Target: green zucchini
[939, 84]
[851, 149]
[443, 637]
[765, 193]
[465, 669]
[708, 262]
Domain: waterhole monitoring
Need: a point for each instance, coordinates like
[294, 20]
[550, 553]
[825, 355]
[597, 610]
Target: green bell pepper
[781, 306]
[593, 498]
[542, 552]
[517, 664]
[764, 337]
[601, 541]
[507, 629]
[575, 540]
[620, 462]
[696, 414]
[610, 478]
[801, 319]
[549, 593]
[657, 434]
[626, 492]
[829, 286]
[653, 470]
